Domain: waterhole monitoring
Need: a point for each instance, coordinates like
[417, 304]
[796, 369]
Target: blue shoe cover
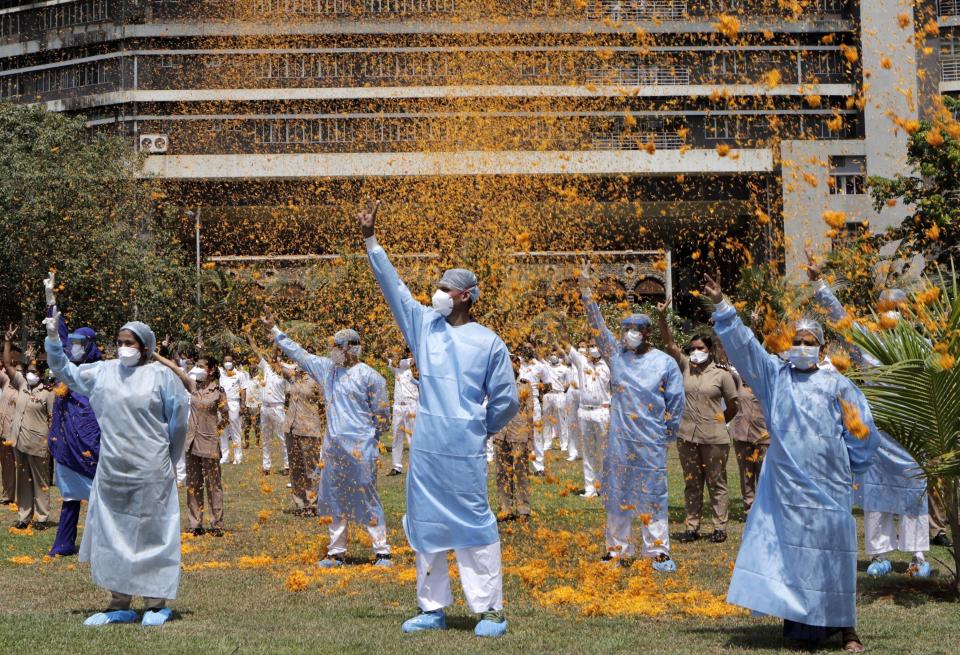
[383, 562]
[436, 620]
[924, 570]
[330, 563]
[665, 566]
[157, 617]
[116, 616]
[488, 628]
[879, 568]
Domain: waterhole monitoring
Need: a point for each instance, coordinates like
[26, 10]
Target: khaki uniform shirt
[707, 389]
[749, 425]
[31, 419]
[203, 439]
[305, 412]
[520, 427]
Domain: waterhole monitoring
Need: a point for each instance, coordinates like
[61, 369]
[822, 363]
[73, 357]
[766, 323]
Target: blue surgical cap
[144, 333]
[811, 326]
[463, 280]
[636, 321]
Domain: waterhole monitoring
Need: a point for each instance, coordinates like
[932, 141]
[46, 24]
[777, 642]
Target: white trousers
[404, 417]
[573, 424]
[271, 426]
[619, 536]
[231, 434]
[538, 445]
[555, 423]
[881, 536]
[480, 575]
[594, 424]
[338, 537]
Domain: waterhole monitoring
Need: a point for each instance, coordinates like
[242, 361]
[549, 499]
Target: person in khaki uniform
[704, 443]
[750, 440]
[8, 463]
[304, 427]
[208, 417]
[29, 429]
[514, 444]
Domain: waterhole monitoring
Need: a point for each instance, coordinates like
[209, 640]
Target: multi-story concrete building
[668, 112]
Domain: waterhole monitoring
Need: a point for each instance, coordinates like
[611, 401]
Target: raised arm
[80, 379]
[316, 367]
[828, 301]
[666, 335]
[501, 389]
[408, 313]
[605, 340]
[8, 365]
[758, 367]
[188, 382]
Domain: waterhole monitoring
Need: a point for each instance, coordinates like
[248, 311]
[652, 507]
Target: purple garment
[74, 432]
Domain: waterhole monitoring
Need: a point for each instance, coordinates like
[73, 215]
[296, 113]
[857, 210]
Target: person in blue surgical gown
[798, 555]
[646, 407]
[461, 364]
[893, 488]
[358, 414]
[131, 535]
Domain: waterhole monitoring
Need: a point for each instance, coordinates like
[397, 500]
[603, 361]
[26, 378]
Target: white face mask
[32, 379]
[699, 357]
[338, 356]
[633, 339]
[228, 366]
[594, 354]
[554, 360]
[77, 351]
[128, 356]
[198, 374]
[442, 303]
[355, 351]
[803, 358]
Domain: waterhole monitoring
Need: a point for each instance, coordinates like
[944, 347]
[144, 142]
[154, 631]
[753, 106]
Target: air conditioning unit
[155, 144]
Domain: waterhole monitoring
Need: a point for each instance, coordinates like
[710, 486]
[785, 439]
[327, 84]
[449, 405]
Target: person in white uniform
[539, 376]
[593, 415]
[272, 415]
[573, 405]
[233, 382]
[555, 405]
[406, 393]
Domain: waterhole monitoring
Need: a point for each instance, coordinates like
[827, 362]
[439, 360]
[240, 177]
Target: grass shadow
[760, 637]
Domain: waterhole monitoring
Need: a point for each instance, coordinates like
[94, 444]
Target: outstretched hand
[11, 332]
[268, 319]
[662, 307]
[712, 288]
[49, 288]
[368, 219]
[52, 324]
[585, 277]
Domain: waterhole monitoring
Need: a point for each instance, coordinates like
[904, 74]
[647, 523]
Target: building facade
[758, 115]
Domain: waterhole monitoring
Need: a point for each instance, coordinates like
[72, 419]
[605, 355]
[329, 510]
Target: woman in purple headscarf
[74, 434]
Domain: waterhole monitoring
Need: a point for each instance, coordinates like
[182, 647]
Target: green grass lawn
[233, 605]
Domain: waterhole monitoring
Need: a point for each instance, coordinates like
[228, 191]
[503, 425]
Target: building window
[78, 12]
[720, 128]
[950, 57]
[9, 24]
[848, 175]
[303, 7]
[411, 6]
[168, 61]
[823, 65]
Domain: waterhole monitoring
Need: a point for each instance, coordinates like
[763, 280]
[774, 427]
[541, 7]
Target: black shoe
[40, 526]
[198, 532]
[216, 532]
[718, 536]
[21, 525]
[506, 517]
[395, 472]
[688, 537]
[539, 474]
[942, 540]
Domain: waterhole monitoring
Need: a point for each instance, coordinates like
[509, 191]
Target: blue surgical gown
[645, 410]
[358, 412]
[460, 367]
[798, 555]
[894, 482]
[131, 536]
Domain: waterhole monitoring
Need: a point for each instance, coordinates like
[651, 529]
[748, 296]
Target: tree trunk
[951, 499]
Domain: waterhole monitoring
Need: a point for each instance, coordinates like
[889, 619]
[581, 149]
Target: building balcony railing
[950, 69]
[424, 67]
[267, 134]
[36, 20]
[948, 7]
